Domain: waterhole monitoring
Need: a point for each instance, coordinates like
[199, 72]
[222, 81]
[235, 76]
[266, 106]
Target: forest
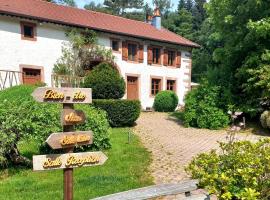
[233, 61]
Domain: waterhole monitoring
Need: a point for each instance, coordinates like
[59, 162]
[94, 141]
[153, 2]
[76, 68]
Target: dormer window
[28, 31]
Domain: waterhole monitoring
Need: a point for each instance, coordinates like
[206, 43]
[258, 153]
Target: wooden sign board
[72, 117]
[63, 95]
[69, 160]
[69, 139]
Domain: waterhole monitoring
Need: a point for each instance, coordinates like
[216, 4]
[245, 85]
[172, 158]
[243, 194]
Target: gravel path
[173, 146]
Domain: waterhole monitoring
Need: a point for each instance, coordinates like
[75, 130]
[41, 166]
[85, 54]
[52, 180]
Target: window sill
[134, 62]
[28, 38]
[156, 65]
[116, 51]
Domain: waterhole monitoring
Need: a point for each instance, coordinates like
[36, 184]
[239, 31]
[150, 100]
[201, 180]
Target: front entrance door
[31, 76]
[132, 88]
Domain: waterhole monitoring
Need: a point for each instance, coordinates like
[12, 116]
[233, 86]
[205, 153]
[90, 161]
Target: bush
[165, 101]
[120, 112]
[105, 82]
[239, 171]
[23, 118]
[265, 119]
[202, 108]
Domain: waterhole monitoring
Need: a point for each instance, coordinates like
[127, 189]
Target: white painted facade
[44, 52]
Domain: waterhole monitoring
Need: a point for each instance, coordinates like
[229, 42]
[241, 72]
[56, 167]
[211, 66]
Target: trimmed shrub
[120, 112]
[202, 108]
[165, 101]
[265, 119]
[106, 82]
[239, 170]
[23, 118]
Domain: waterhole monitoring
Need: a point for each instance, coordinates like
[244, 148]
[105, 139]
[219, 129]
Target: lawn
[125, 169]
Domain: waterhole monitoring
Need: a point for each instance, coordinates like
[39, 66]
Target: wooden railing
[9, 78]
[66, 80]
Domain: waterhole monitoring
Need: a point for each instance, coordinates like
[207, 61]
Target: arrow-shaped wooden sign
[69, 160]
[63, 95]
[69, 139]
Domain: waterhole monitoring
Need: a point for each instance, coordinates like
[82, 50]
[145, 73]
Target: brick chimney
[156, 21]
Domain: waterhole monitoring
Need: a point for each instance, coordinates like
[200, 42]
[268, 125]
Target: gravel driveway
[173, 146]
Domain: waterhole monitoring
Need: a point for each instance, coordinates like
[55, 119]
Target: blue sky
[81, 3]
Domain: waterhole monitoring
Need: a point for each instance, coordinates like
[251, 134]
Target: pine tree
[189, 5]
[181, 5]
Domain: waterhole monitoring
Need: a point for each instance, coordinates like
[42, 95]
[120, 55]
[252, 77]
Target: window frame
[175, 84]
[32, 25]
[160, 85]
[118, 41]
[173, 64]
[136, 58]
[160, 53]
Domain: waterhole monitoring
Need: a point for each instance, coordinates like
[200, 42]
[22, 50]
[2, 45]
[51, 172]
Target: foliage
[23, 118]
[106, 82]
[239, 171]
[64, 2]
[118, 7]
[180, 23]
[165, 101]
[121, 172]
[81, 52]
[265, 119]
[203, 108]
[120, 112]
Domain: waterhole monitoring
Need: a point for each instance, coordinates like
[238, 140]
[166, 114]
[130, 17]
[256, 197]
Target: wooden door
[31, 76]
[132, 88]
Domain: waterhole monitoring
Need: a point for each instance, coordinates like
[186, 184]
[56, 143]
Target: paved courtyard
[173, 146]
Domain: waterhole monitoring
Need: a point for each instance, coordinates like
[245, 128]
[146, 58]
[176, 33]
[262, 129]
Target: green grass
[125, 169]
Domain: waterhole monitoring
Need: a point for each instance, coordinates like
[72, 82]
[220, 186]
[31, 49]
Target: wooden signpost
[67, 139]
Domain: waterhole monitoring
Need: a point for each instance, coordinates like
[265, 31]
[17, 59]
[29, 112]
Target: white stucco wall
[47, 49]
[44, 52]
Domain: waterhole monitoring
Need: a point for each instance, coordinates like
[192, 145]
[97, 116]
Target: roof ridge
[85, 10]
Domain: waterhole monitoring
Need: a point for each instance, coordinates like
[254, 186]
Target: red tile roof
[44, 11]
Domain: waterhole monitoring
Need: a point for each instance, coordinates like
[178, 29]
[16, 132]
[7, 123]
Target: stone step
[151, 192]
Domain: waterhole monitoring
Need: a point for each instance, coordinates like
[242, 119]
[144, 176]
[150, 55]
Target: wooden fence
[9, 78]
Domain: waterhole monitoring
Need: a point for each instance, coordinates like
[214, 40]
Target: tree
[189, 5]
[241, 57]
[118, 7]
[97, 7]
[64, 2]
[180, 23]
[181, 5]
[163, 5]
[198, 13]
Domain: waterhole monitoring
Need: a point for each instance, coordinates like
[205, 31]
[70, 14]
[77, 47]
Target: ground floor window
[31, 74]
[171, 85]
[155, 86]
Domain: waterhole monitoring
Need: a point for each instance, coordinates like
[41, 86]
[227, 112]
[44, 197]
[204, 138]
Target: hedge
[120, 112]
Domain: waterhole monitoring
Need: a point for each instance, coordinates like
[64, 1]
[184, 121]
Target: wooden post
[68, 173]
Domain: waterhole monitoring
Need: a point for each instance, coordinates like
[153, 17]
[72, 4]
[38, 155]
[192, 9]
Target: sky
[81, 3]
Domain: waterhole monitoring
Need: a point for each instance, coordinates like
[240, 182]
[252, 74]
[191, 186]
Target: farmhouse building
[149, 57]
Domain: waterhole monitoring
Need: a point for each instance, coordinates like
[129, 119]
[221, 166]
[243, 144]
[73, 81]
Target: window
[171, 85]
[156, 56]
[28, 31]
[155, 86]
[171, 58]
[132, 52]
[115, 45]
